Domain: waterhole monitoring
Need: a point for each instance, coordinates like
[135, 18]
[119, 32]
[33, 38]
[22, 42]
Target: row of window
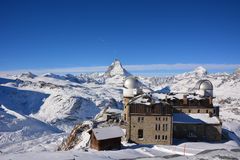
[164, 127]
[140, 119]
[163, 118]
[189, 111]
[158, 137]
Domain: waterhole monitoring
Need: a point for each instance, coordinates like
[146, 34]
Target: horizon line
[130, 68]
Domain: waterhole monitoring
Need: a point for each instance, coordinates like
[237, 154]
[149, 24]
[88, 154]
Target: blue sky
[45, 34]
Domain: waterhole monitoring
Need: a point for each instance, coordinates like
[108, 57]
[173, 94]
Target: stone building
[157, 118]
[194, 115]
[148, 120]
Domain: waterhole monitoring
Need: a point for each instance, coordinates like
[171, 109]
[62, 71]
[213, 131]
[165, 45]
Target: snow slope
[17, 128]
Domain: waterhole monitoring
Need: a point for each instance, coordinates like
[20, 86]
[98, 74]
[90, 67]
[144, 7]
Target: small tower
[130, 90]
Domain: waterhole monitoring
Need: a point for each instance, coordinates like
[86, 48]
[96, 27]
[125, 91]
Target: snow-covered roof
[160, 95]
[197, 118]
[179, 96]
[107, 132]
[142, 100]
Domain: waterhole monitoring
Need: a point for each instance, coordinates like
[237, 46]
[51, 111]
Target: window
[189, 111]
[155, 136]
[125, 117]
[166, 119]
[165, 137]
[162, 137]
[158, 136]
[206, 111]
[140, 133]
[140, 119]
[157, 127]
[163, 118]
[159, 118]
[165, 127]
[156, 118]
[198, 111]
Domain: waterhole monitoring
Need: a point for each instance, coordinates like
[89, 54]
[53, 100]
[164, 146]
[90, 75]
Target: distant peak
[200, 71]
[28, 75]
[52, 75]
[197, 72]
[48, 75]
[116, 68]
[237, 71]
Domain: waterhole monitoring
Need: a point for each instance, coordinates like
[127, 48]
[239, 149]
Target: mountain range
[33, 106]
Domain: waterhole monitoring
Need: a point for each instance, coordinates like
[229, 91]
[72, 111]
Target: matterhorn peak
[200, 71]
[116, 68]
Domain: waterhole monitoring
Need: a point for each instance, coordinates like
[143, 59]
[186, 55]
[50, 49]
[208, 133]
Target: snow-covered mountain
[116, 68]
[53, 102]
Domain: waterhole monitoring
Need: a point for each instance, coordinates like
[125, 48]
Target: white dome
[131, 83]
[204, 85]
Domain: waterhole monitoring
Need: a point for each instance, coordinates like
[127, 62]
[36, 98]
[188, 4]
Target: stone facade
[155, 129]
[151, 119]
[148, 124]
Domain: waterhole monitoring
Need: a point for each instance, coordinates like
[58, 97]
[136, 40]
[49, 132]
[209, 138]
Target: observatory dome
[204, 85]
[204, 88]
[131, 83]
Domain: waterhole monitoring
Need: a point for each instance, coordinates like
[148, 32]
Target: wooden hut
[106, 138]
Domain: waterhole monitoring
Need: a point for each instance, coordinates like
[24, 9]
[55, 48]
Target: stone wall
[152, 134]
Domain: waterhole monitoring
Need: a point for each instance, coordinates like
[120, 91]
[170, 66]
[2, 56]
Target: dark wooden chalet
[106, 138]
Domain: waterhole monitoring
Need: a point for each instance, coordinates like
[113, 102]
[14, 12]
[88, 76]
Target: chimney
[185, 100]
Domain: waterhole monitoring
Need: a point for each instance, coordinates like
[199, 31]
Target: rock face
[116, 68]
[76, 137]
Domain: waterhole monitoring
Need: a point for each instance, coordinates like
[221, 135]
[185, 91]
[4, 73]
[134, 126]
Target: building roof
[107, 132]
[198, 118]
